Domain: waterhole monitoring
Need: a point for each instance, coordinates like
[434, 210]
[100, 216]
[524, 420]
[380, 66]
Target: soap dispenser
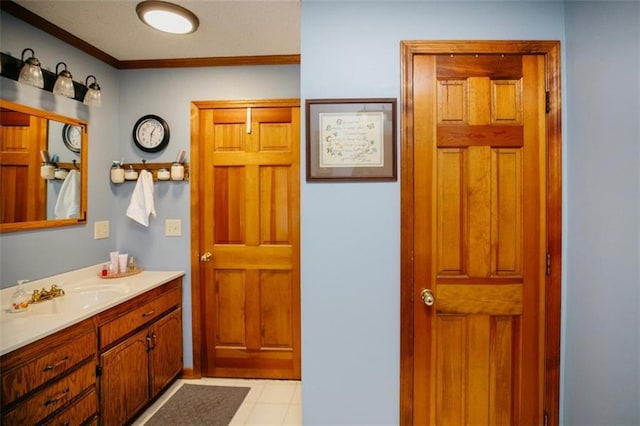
[20, 299]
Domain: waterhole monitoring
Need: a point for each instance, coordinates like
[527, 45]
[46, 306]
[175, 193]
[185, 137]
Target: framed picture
[351, 139]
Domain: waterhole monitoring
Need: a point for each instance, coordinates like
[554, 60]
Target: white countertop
[86, 294]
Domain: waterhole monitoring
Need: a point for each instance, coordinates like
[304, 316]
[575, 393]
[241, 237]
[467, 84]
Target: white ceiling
[227, 27]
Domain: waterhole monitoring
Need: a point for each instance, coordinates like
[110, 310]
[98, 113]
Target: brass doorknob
[427, 297]
[206, 257]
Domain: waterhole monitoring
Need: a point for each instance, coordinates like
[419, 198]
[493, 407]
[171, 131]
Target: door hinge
[545, 418]
[547, 101]
[98, 371]
[548, 263]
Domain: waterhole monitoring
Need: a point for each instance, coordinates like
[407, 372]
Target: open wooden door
[476, 239]
[249, 238]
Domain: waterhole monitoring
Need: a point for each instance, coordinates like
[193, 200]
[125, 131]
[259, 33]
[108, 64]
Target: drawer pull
[55, 365]
[148, 314]
[57, 398]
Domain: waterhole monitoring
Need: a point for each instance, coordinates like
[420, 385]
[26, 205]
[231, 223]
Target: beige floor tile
[294, 416]
[277, 393]
[267, 414]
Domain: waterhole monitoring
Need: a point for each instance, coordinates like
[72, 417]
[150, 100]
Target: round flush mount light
[167, 17]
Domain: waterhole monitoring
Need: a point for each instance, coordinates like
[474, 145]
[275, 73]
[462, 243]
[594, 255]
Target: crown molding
[40, 23]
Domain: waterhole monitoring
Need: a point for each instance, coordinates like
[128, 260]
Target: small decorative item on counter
[113, 256]
[61, 173]
[117, 172]
[177, 171]
[122, 262]
[131, 173]
[164, 174]
[104, 270]
[20, 299]
[132, 264]
[47, 171]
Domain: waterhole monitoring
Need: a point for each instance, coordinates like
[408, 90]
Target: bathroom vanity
[97, 355]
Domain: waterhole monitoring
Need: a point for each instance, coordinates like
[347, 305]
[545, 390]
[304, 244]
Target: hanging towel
[68, 202]
[141, 205]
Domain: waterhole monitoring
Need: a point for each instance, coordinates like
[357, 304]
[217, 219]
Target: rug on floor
[200, 405]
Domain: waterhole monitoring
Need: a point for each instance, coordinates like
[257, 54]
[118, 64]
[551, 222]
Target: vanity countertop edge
[20, 329]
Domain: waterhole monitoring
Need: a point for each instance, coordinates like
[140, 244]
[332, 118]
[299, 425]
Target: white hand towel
[68, 202]
[141, 205]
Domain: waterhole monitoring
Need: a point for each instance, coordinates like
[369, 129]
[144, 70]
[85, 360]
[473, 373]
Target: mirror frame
[54, 223]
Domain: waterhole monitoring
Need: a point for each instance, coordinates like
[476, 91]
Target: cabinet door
[124, 383]
[166, 355]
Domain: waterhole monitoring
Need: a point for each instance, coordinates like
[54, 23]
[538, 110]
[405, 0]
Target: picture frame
[351, 139]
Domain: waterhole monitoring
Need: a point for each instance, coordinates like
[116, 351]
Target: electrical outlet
[101, 229]
[173, 227]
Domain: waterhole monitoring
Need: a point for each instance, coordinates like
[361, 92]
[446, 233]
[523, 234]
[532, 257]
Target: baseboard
[187, 373]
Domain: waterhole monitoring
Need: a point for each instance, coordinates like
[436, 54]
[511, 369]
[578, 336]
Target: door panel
[479, 216]
[251, 227]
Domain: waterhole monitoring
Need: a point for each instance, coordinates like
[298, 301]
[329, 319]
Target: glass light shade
[167, 17]
[64, 83]
[93, 95]
[31, 73]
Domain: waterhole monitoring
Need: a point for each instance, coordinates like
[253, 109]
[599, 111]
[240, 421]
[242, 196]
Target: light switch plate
[101, 229]
[173, 227]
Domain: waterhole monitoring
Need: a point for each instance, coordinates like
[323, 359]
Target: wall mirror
[35, 193]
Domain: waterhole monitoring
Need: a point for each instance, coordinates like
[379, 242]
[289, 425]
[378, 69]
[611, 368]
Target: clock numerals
[151, 133]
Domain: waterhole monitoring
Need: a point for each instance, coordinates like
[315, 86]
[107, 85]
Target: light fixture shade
[31, 73]
[167, 17]
[93, 95]
[64, 83]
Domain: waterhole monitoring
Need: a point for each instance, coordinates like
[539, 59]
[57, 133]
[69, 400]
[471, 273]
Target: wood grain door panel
[24, 193]
[476, 194]
[251, 226]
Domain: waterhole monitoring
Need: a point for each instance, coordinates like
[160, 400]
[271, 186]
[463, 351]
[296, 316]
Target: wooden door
[165, 356]
[124, 384]
[478, 207]
[250, 285]
[24, 192]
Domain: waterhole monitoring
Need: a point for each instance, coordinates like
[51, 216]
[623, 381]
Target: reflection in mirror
[42, 169]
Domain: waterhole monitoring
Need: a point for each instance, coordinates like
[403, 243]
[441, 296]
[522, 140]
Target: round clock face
[151, 133]
[72, 137]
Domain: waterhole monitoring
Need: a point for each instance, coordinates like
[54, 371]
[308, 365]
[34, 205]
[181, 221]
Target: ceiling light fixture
[167, 17]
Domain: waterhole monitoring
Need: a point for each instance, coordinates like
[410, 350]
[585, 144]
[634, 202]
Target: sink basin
[78, 298]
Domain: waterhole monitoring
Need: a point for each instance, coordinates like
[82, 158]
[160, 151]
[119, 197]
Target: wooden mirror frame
[54, 223]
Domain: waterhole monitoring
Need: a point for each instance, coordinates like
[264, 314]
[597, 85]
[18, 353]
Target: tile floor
[268, 403]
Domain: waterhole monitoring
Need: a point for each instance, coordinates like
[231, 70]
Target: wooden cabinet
[140, 351]
[53, 378]
[103, 370]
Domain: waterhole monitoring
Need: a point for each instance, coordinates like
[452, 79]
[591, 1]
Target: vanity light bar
[11, 69]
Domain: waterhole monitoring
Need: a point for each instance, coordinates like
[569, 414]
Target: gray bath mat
[200, 405]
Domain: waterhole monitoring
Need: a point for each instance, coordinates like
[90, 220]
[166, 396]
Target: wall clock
[151, 133]
[72, 137]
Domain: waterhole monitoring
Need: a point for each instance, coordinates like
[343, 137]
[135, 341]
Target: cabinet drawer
[79, 412]
[125, 324]
[52, 397]
[19, 381]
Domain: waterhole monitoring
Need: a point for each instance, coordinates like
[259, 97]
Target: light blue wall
[127, 95]
[350, 270]
[40, 253]
[602, 355]
[168, 93]
[351, 232]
